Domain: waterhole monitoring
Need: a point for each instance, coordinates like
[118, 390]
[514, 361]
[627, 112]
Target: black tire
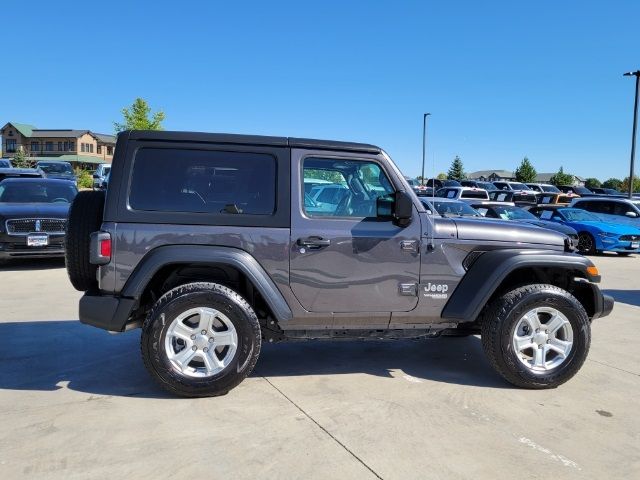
[501, 318]
[85, 217]
[181, 299]
[586, 243]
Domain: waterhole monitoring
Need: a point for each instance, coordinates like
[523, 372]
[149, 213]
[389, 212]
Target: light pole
[635, 126]
[424, 143]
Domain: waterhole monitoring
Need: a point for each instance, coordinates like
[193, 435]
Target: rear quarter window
[203, 181]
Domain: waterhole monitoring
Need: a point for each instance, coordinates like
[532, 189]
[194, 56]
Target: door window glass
[343, 188]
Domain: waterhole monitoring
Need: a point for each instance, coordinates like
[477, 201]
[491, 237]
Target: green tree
[525, 173]
[562, 178]
[592, 183]
[614, 183]
[442, 176]
[625, 184]
[138, 117]
[20, 159]
[456, 171]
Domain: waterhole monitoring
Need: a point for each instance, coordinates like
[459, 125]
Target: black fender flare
[492, 267]
[202, 255]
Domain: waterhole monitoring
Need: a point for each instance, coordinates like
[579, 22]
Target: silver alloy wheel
[201, 342]
[543, 339]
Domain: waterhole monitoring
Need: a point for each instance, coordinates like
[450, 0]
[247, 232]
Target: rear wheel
[536, 336]
[586, 243]
[200, 339]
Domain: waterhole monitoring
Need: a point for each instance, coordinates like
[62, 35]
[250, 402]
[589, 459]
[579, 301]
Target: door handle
[313, 242]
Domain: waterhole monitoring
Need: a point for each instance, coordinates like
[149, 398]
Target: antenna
[431, 245]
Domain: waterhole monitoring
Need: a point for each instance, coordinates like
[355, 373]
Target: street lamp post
[635, 126]
[424, 143]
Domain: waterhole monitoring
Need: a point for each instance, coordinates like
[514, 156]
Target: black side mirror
[95, 176]
[397, 207]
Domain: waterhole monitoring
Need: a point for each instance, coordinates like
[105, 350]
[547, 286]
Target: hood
[506, 231]
[558, 227]
[26, 210]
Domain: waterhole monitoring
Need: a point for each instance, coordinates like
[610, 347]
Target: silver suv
[211, 245]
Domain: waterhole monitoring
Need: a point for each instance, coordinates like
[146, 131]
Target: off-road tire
[500, 319]
[180, 299]
[85, 217]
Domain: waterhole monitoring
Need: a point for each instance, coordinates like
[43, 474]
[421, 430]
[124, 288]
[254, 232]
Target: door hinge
[409, 289]
[409, 245]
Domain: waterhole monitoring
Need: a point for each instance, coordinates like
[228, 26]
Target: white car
[465, 194]
[543, 187]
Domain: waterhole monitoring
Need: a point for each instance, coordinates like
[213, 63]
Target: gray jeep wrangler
[215, 243]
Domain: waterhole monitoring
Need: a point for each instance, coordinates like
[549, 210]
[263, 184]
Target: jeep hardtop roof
[236, 139]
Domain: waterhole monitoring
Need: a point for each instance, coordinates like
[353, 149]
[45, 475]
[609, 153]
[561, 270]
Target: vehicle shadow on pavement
[457, 360]
[52, 355]
[630, 297]
[23, 264]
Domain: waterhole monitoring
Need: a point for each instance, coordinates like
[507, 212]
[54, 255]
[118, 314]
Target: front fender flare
[491, 268]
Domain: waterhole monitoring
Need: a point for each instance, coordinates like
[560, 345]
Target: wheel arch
[169, 266]
[498, 271]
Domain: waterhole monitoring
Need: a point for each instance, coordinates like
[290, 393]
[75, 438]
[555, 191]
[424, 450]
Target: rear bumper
[105, 311]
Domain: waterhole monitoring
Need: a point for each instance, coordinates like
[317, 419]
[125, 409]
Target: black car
[434, 182]
[607, 191]
[19, 173]
[521, 199]
[33, 216]
[57, 169]
[509, 212]
[578, 190]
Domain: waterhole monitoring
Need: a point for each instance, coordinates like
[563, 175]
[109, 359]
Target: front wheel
[200, 340]
[536, 336]
[586, 243]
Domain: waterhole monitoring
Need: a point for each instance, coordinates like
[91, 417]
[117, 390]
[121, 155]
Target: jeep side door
[344, 259]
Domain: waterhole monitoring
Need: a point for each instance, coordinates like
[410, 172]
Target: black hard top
[235, 139]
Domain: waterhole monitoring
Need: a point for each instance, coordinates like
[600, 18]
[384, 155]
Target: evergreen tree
[525, 173]
[456, 171]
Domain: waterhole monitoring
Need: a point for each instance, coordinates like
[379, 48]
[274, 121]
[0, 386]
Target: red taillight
[105, 247]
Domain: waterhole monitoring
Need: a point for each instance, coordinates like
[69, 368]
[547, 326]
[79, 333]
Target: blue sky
[502, 79]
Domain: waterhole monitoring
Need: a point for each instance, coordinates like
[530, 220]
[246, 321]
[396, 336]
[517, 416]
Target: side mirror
[631, 214]
[95, 176]
[397, 207]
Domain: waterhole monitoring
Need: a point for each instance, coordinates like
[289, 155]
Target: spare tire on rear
[85, 217]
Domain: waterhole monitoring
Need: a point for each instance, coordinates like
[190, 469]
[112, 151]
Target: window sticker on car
[504, 216]
[501, 197]
[546, 215]
[451, 194]
[546, 200]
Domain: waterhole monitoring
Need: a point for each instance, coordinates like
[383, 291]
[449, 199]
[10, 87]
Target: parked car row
[617, 230]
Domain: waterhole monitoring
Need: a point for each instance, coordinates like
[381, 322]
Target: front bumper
[16, 247]
[106, 311]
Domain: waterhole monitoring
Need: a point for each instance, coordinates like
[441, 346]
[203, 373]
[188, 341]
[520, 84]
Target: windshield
[487, 186]
[455, 209]
[519, 186]
[57, 167]
[550, 189]
[577, 215]
[37, 192]
[5, 164]
[513, 213]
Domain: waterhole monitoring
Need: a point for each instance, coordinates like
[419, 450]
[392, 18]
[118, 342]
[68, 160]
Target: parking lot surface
[76, 402]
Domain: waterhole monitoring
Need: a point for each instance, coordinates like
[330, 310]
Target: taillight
[100, 250]
[105, 247]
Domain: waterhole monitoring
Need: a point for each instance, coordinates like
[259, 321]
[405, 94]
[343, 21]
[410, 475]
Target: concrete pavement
[76, 402]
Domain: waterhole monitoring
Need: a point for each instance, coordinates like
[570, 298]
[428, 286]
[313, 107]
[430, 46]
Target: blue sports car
[594, 235]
